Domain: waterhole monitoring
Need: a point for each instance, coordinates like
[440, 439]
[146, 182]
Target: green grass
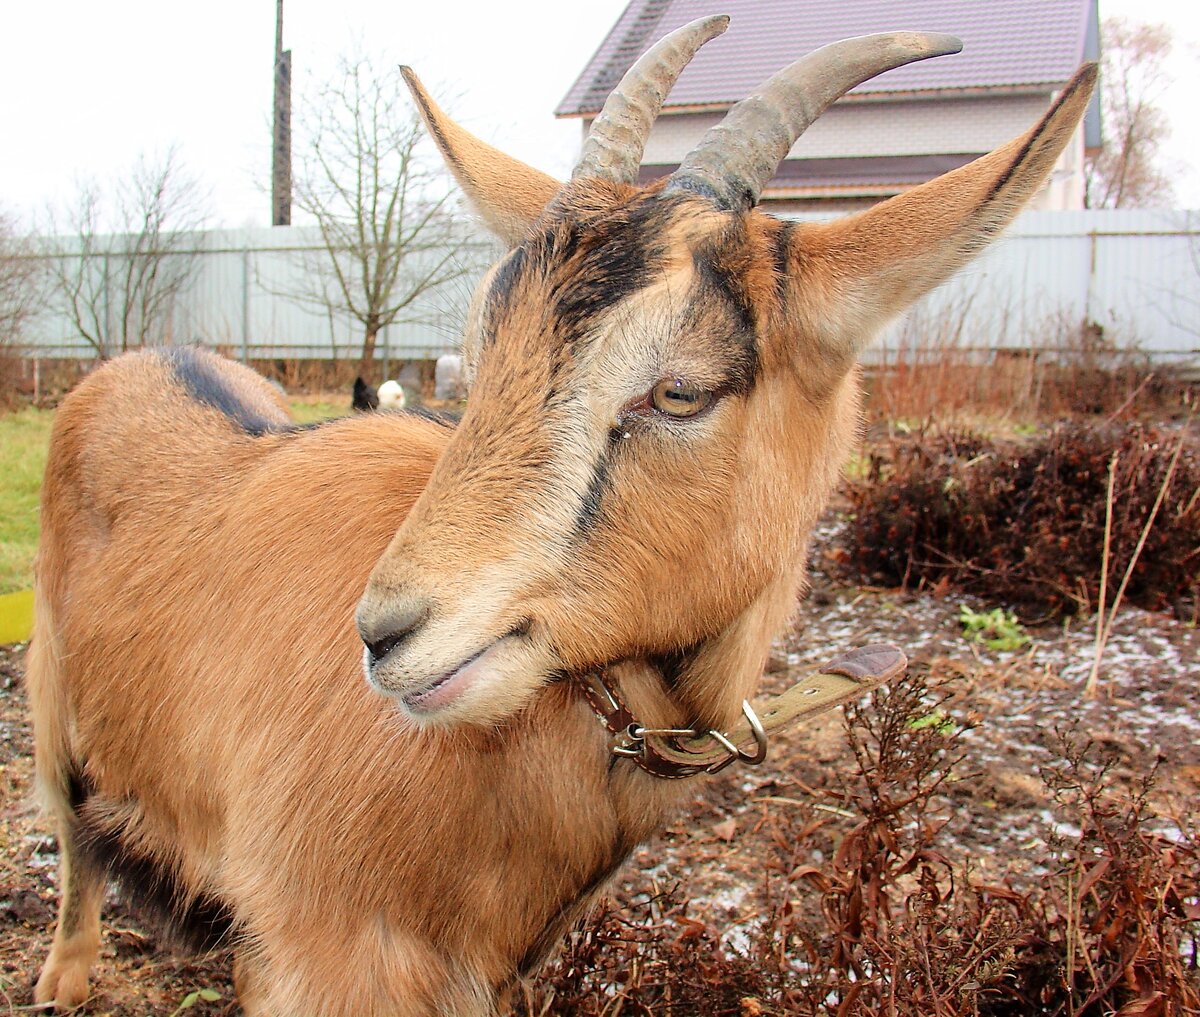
[311, 409]
[23, 439]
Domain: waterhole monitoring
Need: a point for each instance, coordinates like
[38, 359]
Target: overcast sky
[86, 87]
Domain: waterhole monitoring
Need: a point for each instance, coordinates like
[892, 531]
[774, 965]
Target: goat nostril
[382, 634]
[380, 648]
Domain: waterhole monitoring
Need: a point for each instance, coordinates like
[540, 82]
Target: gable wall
[966, 125]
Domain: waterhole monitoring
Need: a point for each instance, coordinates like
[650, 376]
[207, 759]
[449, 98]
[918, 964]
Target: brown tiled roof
[1007, 44]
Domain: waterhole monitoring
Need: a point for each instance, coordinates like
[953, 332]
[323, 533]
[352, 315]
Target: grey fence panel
[251, 296]
[1127, 280]
[1131, 278]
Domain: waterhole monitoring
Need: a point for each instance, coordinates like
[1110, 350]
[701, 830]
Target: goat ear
[508, 194]
[879, 261]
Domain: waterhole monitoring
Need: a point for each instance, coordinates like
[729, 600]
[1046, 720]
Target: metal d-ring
[736, 752]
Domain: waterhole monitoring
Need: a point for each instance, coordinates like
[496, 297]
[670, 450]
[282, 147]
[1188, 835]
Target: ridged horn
[613, 147]
[736, 158]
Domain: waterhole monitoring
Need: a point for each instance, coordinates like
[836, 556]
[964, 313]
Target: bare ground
[720, 852]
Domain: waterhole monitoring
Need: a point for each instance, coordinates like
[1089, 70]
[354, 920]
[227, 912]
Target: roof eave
[855, 99]
[834, 191]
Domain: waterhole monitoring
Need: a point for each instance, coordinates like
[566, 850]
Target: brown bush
[1023, 522]
[1117, 929]
[891, 925]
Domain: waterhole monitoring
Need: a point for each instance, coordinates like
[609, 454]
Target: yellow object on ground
[16, 616]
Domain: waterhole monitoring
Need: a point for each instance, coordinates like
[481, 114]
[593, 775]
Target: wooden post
[281, 148]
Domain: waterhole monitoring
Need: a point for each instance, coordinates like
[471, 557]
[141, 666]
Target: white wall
[917, 127]
[968, 125]
[241, 301]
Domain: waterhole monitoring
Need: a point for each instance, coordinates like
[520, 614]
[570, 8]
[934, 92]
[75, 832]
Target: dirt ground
[997, 814]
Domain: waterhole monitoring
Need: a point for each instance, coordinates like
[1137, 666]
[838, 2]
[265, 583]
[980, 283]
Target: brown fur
[196, 683]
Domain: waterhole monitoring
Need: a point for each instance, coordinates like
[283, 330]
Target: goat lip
[443, 691]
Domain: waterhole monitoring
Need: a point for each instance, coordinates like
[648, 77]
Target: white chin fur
[484, 688]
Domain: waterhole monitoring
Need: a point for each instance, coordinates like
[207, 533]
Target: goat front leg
[64, 979]
[247, 984]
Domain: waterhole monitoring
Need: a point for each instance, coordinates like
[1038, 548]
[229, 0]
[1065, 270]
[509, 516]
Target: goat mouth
[446, 689]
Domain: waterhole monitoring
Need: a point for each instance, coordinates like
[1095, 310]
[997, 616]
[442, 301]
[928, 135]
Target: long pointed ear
[508, 194]
[872, 265]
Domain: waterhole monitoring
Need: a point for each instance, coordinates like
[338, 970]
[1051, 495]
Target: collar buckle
[669, 752]
[736, 753]
[672, 753]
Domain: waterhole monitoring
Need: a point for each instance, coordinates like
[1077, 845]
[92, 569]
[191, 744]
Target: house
[887, 135]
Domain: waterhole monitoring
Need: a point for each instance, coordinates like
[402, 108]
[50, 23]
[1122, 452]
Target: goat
[664, 392]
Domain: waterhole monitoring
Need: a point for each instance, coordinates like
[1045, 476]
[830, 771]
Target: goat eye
[679, 398]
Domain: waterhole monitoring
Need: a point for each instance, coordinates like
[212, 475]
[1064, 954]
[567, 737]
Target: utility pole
[281, 148]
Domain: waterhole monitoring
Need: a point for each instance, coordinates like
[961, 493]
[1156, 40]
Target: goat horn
[736, 158]
[613, 147]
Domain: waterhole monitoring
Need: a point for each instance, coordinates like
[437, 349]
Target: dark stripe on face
[718, 277]
[500, 293]
[783, 259]
[206, 386]
[592, 504]
[608, 266]
[586, 265]
[739, 343]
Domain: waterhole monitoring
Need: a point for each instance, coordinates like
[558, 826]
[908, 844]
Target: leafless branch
[120, 260]
[1127, 172]
[383, 211]
[20, 283]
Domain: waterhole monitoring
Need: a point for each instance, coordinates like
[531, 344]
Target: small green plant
[997, 629]
[197, 996]
[938, 719]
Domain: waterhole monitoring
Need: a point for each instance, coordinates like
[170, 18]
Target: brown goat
[664, 392]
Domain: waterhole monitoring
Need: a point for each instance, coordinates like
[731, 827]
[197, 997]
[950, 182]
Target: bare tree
[19, 283]
[1126, 172]
[384, 213]
[120, 261]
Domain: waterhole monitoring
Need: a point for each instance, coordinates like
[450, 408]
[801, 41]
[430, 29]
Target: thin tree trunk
[366, 363]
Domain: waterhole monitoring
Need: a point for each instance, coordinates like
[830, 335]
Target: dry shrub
[305, 376]
[19, 290]
[11, 378]
[42, 381]
[1023, 522]
[652, 958]
[1117, 928]
[1060, 369]
[893, 924]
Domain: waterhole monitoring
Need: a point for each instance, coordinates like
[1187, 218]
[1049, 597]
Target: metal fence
[251, 295]
[1126, 281]
[1131, 278]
